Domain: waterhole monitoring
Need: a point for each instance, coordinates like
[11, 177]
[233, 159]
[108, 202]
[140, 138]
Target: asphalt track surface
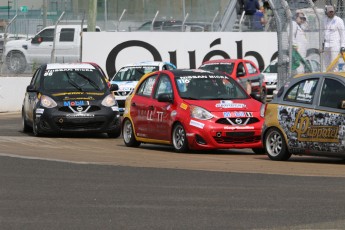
[94, 182]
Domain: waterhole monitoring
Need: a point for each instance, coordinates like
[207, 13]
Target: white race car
[128, 76]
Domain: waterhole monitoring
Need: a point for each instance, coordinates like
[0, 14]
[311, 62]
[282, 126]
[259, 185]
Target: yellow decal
[184, 106]
[306, 132]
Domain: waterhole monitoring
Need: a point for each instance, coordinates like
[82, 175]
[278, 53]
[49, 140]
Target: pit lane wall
[112, 50]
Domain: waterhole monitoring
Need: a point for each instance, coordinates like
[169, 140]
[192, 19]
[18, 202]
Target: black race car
[70, 98]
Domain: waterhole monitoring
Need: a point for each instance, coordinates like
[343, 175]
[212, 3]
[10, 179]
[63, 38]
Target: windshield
[209, 87]
[133, 73]
[73, 80]
[272, 68]
[223, 67]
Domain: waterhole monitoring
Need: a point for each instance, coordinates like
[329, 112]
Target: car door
[141, 109]
[31, 98]
[39, 50]
[329, 118]
[67, 45]
[160, 121]
[296, 112]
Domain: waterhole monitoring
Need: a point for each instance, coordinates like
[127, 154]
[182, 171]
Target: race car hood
[125, 85]
[249, 105]
[270, 77]
[76, 97]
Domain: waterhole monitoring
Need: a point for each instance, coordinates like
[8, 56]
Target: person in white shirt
[299, 37]
[334, 37]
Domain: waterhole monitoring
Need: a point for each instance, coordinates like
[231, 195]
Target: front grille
[121, 103]
[67, 109]
[92, 125]
[237, 140]
[231, 121]
[239, 134]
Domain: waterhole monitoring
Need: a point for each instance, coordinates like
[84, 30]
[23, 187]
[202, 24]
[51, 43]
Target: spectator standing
[334, 37]
[259, 20]
[251, 6]
[299, 37]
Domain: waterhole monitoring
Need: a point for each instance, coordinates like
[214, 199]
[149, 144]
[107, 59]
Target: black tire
[128, 134]
[179, 139]
[259, 151]
[36, 129]
[275, 145]
[16, 62]
[25, 126]
[263, 96]
[115, 134]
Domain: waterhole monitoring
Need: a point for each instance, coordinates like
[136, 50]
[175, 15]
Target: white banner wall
[112, 50]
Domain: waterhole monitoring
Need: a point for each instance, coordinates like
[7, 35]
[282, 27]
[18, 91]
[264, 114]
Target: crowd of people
[258, 13]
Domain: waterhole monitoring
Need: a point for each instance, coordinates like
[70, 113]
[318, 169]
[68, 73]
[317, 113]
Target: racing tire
[263, 96]
[179, 139]
[16, 62]
[275, 145]
[128, 134]
[25, 126]
[36, 128]
[115, 134]
[259, 151]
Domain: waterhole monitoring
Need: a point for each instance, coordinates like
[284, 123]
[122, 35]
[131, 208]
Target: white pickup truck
[19, 54]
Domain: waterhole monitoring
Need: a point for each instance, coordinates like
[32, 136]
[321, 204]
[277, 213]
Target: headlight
[262, 110]
[47, 102]
[109, 101]
[200, 113]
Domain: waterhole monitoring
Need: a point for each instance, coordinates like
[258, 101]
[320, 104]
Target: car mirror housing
[30, 88]
[114, 87]
[165, 97]
[36, 40]
[342, 105]
[256, 96]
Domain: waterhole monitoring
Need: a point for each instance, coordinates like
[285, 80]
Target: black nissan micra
[70, 98]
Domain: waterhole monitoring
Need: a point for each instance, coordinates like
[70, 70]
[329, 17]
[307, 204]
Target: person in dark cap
[334, 36]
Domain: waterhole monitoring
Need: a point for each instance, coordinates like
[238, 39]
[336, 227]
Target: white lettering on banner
[186, 50]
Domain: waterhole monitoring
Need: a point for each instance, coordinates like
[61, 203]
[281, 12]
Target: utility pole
[45, 6]
[91, 21]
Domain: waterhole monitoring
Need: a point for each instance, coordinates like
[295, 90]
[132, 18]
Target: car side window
[302, 92]
[36, 79]
[47, 35]
[67, 35]
[332, 93]
[241, 70]
[164, 86]
[146, 87]
[251, 69]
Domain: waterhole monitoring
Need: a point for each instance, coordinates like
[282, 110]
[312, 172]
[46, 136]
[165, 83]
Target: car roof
[69, 66]
[148, 63]
[223, 61]
[340, 74]
[186, 72]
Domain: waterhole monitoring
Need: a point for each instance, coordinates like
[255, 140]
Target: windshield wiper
[73, 83]
[92, 82]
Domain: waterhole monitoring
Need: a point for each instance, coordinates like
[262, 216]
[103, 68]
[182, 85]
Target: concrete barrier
[12, 91]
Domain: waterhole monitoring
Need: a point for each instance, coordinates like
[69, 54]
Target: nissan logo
[238, 121]
[79, 108]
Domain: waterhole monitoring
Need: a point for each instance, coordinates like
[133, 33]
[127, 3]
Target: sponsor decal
[39, 111]
[115, 108]
[75, 103]
[77, 93]
[238, 127]
[197, 124]
[173, 113]
[237, 114]
[78, 115]
[183, 106]
[230, 104]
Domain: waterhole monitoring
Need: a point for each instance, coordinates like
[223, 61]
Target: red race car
[192, 109]
[244, 71]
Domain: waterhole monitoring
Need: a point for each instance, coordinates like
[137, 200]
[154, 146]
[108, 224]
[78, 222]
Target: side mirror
[165, 97]
[36, 40]
[30, 88]
[114, 87]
